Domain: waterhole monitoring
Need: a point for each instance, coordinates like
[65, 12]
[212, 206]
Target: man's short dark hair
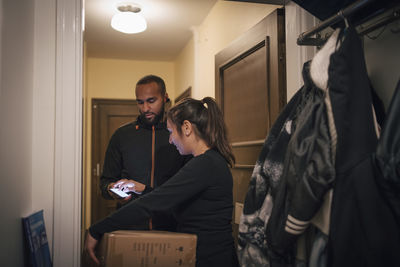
[153, 78]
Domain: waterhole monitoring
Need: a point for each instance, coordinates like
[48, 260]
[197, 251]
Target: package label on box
[147, 248]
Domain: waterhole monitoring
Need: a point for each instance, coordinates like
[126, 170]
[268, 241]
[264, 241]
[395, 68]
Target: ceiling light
[127, 20]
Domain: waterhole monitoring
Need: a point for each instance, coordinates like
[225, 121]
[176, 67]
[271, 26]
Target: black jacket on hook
[387, 156]
[363, 230]
[308, 175]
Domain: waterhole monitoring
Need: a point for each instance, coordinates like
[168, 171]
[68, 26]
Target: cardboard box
[147, 248]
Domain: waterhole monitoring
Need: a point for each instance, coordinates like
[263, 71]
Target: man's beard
[157, 117]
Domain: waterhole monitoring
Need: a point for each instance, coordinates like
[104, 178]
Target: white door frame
[297, 21]
[68, 134]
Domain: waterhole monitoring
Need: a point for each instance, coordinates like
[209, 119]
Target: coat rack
[387, 14]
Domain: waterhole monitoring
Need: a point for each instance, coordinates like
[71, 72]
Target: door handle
[96, 171]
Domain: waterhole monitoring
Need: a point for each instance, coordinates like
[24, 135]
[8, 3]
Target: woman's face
[176, 139]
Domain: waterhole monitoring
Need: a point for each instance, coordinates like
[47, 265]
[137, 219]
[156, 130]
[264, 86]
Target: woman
[200, 193]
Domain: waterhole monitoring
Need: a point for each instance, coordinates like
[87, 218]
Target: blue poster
[36, 237]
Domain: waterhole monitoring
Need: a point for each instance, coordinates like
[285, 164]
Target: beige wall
[16, 107]
[225, 22]
[184, 68]
[115, 79]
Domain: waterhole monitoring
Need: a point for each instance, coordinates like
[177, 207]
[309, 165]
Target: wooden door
[184, 94]
[107, 116]
[251, 90]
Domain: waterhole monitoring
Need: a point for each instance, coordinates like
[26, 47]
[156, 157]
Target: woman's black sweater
[201, 196]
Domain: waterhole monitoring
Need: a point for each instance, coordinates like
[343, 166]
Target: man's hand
[115, 196]
[90, 246]
[109, 186]
[129, 186]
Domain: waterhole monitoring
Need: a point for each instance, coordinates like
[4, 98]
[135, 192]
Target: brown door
[184, 94]
[251, 89]
[107, 116]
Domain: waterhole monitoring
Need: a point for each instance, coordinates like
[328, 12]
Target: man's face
[150, 102]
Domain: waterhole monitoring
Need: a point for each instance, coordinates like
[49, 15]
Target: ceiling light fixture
[127, 20]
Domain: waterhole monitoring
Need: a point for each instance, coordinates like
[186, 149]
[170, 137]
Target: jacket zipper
[153, 144]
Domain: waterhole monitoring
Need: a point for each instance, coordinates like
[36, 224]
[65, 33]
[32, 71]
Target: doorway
[107, 116]
[136, 72]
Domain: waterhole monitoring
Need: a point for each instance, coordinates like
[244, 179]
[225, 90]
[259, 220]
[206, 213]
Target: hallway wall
[16, 92]
[226, 21]
[27, 116]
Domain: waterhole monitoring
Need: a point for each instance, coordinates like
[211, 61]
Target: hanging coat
[308, 174]
[387, 156]
[252, 243]
[363, 230]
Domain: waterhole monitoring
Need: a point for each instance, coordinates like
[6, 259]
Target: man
[139, 155]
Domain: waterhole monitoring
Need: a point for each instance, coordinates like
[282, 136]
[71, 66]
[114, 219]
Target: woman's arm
[90, 246]
[190, 180]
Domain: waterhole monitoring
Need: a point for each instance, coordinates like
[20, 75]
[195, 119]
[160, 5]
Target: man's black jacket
[134, 150]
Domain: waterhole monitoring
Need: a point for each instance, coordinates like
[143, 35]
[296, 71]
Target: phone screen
[119, 192]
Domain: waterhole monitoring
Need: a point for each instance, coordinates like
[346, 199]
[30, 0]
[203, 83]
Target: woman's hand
[90, 246]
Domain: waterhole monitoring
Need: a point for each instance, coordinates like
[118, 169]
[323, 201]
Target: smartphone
[119, 192]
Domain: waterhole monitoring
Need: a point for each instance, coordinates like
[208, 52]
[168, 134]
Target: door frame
[68, 134]
[184, 94]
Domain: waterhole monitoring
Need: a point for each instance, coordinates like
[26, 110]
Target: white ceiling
[169, 25]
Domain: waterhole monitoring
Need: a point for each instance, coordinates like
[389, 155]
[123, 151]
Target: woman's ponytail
[208, 119]
[216, 131]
